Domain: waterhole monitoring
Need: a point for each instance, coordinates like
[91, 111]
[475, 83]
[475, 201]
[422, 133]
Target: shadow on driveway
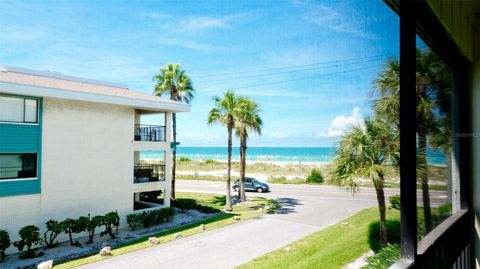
[288, 205]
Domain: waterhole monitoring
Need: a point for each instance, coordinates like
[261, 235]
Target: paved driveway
[304, 212]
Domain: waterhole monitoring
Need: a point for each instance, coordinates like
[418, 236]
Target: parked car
[251, 184]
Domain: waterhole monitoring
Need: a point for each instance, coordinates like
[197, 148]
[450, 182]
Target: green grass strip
[332, 247]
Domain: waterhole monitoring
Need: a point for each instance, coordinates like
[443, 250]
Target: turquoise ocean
[274, 154]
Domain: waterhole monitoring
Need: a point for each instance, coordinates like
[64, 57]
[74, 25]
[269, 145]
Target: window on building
[18, 165]
[16, 109]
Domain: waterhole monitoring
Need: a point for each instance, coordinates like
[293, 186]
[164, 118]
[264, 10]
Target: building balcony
[148, 173]
[153, 133]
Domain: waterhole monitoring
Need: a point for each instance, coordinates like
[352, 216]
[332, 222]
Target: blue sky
[309, 64]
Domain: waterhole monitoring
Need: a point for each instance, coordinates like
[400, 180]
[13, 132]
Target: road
[307, 209]
[307, 191]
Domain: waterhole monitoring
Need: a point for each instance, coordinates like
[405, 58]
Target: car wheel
[236, 189]
[260, 190]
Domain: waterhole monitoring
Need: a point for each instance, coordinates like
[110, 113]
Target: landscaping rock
[202, 227]
[45, 265]
[178, 235]
[105, 251]
[154, 240]
[237, 218]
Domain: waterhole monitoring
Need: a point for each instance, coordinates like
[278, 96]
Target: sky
[310, 65]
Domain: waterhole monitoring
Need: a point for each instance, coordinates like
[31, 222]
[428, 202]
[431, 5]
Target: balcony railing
[145, 132]
[148, 173]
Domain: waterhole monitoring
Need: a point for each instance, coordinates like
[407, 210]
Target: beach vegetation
[184, 159]
[204, 207]
[173, 81]
[4, 243]
[29, 237]
[315, 176]
[363, 152]
[209, 161]
[247, 120]
[224, 112]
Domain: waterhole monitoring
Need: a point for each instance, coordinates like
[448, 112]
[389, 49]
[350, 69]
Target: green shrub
[4, 243]
[315, 176]
[384, 258]
[30, 236]
[393, 233]
[133, 221]
[111, 220]
[187, 203]
[74, 226]
[92, 224]
[445, 210]
[184, 159]
[54, 228]
[395, 201]
[210, 162]
[150, 218]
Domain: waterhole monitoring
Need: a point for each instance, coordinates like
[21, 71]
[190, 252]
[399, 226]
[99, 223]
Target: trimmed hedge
[187, 203]
[150, 218]
[393, 233]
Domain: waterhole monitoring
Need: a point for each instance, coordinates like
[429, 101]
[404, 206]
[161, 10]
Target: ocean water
[275, 154]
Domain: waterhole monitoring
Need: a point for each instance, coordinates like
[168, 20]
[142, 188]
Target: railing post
[408, 147]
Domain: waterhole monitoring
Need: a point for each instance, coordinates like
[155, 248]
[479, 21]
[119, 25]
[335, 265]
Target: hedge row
[30, 234]
[150, 218]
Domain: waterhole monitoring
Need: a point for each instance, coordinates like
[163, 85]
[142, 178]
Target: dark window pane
[18, 165]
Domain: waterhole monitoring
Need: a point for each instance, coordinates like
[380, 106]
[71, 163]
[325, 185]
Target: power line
[277, 68]
[283, 72]
[260, 75]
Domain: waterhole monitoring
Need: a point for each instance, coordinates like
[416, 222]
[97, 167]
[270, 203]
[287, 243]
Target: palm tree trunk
[382, 208]
[174, 155]
[243, 151]
[427, 212]
[228, 202]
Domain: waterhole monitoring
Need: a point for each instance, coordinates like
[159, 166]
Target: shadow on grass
[219, 200]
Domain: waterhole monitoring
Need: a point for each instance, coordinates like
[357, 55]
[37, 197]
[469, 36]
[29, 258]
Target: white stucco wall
[87, 166]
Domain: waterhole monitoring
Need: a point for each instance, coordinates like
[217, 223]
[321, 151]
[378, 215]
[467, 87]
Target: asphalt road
[307, 209]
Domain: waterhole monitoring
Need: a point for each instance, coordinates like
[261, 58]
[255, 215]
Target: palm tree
[432, 82]
[247, 120]
[173, 81]
[225, 112]
[363, 152]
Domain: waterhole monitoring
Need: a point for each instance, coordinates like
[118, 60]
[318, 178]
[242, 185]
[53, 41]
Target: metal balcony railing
[145, 132]
[148, 173]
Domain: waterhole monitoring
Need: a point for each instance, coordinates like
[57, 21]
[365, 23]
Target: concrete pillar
[168, 158]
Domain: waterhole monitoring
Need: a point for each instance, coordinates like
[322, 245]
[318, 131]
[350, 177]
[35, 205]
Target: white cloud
[184, 43]
[327, 17]
[152, 15]
[206, 22]
[342, 123]
[279, 135]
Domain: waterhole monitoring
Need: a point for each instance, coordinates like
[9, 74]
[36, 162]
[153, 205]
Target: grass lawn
[333, 247]
[244, 212]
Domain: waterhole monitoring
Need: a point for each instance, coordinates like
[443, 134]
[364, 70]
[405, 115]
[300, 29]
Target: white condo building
[70, 147]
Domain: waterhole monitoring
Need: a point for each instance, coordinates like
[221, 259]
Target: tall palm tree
[248, 119]
[432, 82]
[172, 80]
[225, 112]
[363, 152]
